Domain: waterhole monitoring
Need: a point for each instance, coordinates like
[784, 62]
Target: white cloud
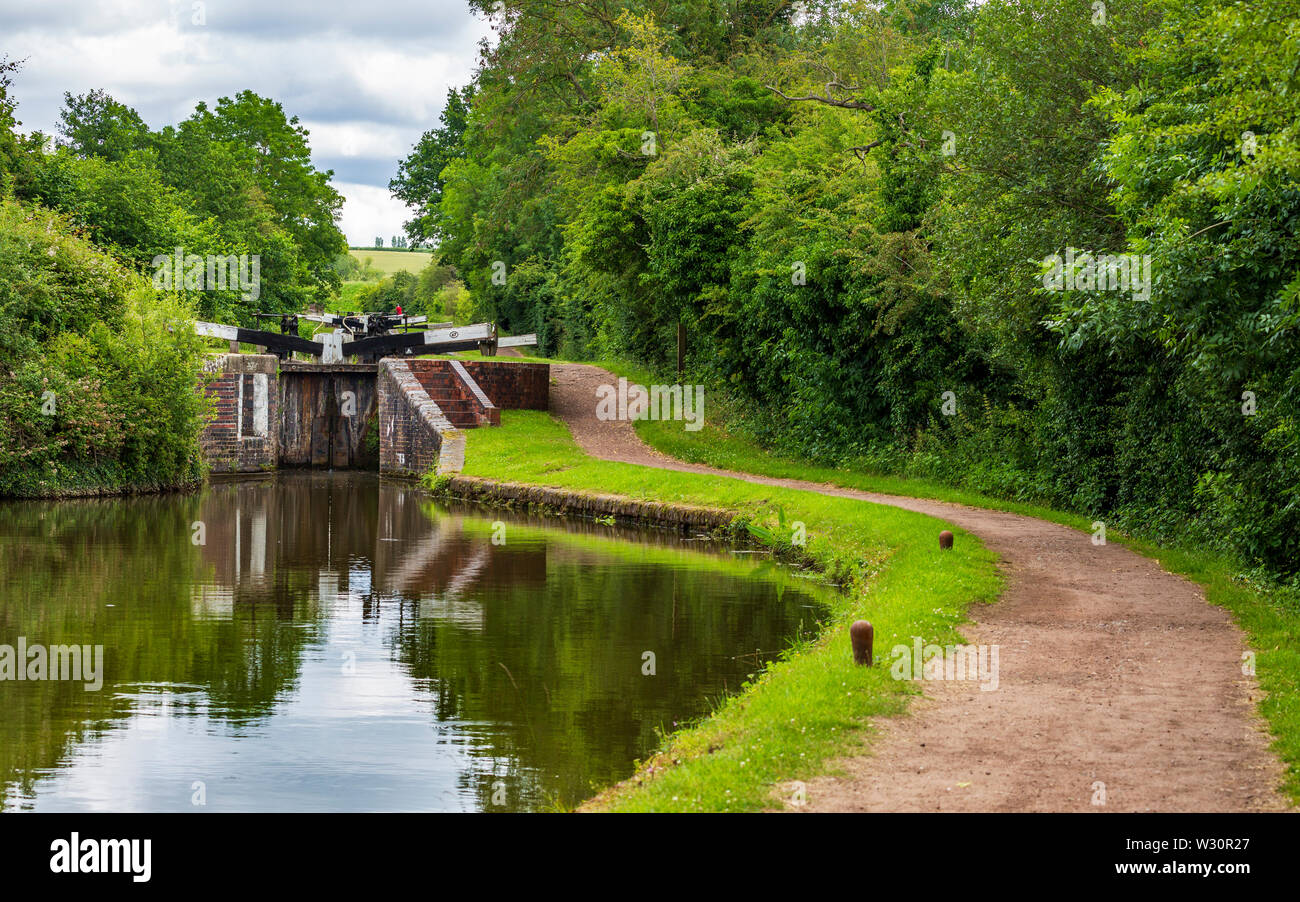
[366, 86]
[368, 212]
[358, 139]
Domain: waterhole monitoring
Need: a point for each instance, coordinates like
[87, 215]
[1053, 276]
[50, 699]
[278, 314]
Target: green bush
[98, 379]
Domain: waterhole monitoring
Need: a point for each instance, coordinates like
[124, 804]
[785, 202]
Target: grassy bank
[813, 704]
[86, 479]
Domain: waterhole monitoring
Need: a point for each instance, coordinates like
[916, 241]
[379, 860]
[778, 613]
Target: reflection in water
[328, 641]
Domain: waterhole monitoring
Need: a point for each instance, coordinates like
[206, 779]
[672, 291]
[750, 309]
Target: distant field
[390, 261]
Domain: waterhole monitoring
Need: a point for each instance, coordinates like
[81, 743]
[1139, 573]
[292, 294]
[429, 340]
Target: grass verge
[792, 719]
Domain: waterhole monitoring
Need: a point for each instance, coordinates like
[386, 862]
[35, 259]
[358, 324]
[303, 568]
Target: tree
[275, 149]
[96, 125]
[850, 208]
[18, 153]
[419, 177]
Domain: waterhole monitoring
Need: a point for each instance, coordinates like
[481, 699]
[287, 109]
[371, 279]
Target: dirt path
[1112, 671]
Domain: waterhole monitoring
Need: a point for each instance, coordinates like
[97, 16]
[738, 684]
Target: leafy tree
[17, 152]
[97, 365]
[96, 125]
[97, 373]
[419, 177]
[275, 150]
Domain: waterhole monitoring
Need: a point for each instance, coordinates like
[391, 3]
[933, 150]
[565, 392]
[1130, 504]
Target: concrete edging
[585, 504]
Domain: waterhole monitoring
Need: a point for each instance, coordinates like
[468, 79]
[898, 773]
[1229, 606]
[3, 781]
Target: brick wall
[456, 393]
[415, 436]
[513, 386]
[243, 435]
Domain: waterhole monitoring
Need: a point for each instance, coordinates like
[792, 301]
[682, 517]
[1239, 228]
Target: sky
[365, 79]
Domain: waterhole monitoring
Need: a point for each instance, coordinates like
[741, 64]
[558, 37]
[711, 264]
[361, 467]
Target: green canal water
[331, 642]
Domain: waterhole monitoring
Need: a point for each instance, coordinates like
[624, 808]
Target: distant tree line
[398, 242]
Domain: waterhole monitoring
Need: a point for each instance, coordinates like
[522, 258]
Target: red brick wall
[231, 442]
[461, 402]
[513, 386]
[504, 386]
[414, 434]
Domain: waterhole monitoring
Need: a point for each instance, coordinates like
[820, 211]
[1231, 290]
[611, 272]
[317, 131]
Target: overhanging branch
[827, 99]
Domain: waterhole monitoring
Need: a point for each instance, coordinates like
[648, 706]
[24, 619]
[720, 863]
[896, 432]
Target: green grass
[522, 358]
[1268, 614]
[349, 299]
[389, 261]
[793, 718]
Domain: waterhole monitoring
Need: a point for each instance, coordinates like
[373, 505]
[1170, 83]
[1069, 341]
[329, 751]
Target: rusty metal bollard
[945, 539]
[862, 634]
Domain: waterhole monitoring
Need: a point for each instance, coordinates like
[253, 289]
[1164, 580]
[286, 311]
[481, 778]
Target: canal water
[333, 642]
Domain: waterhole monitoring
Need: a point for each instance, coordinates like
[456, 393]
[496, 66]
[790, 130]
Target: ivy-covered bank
[809, 707]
